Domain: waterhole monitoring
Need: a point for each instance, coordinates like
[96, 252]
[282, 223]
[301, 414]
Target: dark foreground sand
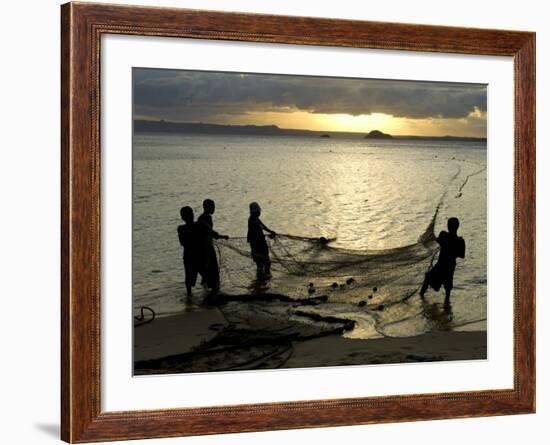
[203, 341]
[336, 350]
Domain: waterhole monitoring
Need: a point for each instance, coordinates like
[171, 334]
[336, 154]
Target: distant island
[377, 134]
[150, 126]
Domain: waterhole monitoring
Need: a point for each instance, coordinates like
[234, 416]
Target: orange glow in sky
[473, 125]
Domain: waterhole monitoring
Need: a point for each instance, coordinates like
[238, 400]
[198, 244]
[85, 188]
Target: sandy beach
[429, 347]
[205, 341]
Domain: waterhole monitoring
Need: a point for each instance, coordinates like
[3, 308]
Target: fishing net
[308, 267]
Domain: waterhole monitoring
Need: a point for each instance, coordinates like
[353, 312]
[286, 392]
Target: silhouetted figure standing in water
[207, 233]
[189, 240]
[258, 244]
[452, 247]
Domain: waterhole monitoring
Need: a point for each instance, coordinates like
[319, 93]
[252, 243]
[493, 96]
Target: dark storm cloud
[194, 95]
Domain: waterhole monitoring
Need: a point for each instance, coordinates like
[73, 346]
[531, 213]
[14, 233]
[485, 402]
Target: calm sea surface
[371, 196]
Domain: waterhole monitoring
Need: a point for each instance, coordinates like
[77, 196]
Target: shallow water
[373, 197]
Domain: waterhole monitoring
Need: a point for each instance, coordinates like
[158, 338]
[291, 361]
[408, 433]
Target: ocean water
[374, 198]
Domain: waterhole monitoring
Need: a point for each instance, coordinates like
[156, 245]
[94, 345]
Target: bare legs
[447, 303]
[263, 270]
[424, 287]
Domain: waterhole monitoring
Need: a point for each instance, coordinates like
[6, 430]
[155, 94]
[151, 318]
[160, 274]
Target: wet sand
[176, 334]
[205, 341]
[430, 347]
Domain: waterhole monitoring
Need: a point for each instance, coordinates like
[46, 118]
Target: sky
[396, 107]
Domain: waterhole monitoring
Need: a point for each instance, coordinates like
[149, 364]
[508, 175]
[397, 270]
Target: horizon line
[306, 130]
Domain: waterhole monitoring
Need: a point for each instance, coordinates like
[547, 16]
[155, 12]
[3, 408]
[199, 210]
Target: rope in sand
[141, 317]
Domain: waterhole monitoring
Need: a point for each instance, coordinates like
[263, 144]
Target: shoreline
[204, 341]
[435, 346]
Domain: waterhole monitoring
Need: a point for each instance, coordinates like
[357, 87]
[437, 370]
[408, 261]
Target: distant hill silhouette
[377, 134]
[149, 126]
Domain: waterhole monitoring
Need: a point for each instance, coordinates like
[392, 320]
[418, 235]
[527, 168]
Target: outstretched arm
[441, 239]
[267, 229]
[210, 231]
[216, 235]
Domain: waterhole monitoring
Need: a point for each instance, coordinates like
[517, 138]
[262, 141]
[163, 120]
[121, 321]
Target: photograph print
[288, 221]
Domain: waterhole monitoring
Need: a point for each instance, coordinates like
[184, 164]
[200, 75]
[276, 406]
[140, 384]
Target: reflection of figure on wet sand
[207, 234]
[439, 317]
[258, 244]
[452, 247]
[187, 234]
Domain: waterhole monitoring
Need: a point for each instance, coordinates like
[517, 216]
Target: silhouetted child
[207, 234]
[452, 247]
[258, 244]
[189, 240]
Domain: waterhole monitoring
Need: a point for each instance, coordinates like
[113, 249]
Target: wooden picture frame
[82, 26]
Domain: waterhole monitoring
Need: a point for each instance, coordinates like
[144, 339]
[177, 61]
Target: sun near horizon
[472, 126]
[397, 107]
